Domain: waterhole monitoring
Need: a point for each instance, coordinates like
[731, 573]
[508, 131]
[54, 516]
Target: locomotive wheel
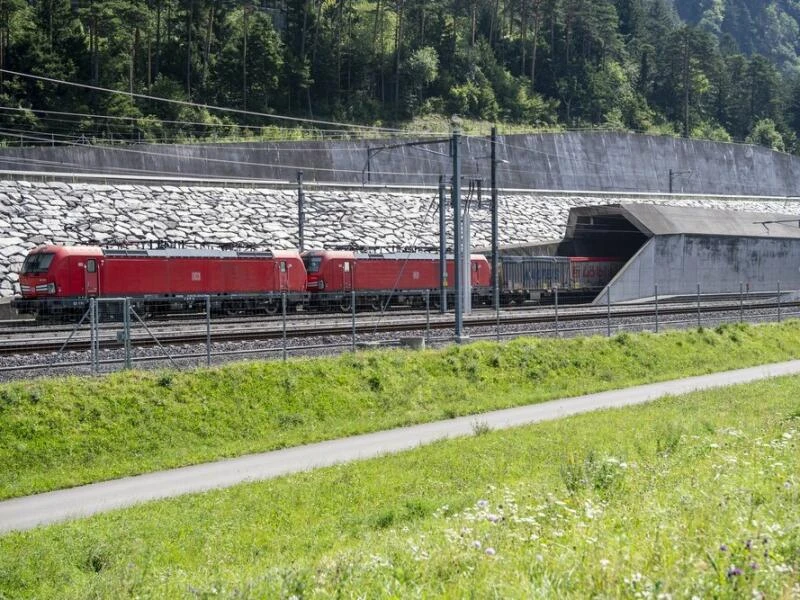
[270, 307]
[345, 305]
[375, 304]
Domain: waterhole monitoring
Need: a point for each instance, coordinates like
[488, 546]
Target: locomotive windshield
[36, 264]
[312, 263]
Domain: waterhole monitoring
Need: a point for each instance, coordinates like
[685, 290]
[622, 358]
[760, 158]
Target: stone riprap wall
[38, 213]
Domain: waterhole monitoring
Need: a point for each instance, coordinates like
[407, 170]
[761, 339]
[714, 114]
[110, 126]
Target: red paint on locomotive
[90, 271]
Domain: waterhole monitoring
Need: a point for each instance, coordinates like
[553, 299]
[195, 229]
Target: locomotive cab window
[312, 263]
[37, 263]
[91, 266]
[283, 266]
[346, 267]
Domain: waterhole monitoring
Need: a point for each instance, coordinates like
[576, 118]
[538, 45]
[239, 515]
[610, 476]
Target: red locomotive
[58, 280]
[384, 278]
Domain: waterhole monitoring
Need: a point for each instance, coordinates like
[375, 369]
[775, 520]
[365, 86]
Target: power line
[344, 134]
[204, 106]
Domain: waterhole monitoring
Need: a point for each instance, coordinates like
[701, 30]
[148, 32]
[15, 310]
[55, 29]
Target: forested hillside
[632, 64]
[771, 29]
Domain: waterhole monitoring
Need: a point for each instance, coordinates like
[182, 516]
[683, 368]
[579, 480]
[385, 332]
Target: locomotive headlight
[320, 284]
[51, 288]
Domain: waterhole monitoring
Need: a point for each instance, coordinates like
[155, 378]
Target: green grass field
[695, 496]
[57, 433]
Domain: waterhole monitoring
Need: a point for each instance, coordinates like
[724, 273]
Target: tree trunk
[158, 39]
[207, 49]
[524, 32]
[189, 19]
[245, 15]
[397, 41]
[377, 35]
[686, 80]
[537, 21]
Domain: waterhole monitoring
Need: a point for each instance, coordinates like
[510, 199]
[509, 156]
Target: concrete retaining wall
[563, 161]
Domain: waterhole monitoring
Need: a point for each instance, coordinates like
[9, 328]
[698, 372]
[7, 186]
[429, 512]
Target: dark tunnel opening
[602, 235]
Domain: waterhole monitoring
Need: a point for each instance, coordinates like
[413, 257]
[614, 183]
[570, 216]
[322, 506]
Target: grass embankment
[62, 432]
[695, 496]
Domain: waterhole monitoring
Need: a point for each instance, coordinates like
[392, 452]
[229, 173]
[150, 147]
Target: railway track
[42, 340]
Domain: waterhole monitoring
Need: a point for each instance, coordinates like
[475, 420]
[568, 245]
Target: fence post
[427, 316]
[126, 324]
[698, 306]
[283, 311]
[353, 310]
[93, 332]
[555, 289]
[656, 292]
[608, 312]
[208, 330]
[779, 301]
[741, 302]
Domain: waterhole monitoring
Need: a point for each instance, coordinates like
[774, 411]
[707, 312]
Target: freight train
[58, 280]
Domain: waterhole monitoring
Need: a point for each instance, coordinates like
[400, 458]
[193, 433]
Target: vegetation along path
[27, 512]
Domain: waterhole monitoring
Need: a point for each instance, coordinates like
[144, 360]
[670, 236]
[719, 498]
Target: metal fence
[106, 334]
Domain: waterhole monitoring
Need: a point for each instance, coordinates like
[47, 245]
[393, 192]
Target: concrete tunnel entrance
[674, 248]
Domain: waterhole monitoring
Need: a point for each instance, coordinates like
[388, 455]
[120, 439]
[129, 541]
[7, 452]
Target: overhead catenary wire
[238, 111]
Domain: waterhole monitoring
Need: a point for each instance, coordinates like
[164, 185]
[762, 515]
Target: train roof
[197, 253]
[66, 250]
[384, 255]
[162, 252]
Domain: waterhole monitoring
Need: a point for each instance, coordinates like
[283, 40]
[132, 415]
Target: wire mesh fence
[107, 334]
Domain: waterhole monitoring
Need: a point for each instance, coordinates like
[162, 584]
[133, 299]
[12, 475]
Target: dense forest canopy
[718, 69]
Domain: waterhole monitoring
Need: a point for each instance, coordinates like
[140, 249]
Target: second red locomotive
[381, 279]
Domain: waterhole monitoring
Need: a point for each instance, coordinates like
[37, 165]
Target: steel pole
[442, 247]
[495, 225]
[301, 212]
[456, 189]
